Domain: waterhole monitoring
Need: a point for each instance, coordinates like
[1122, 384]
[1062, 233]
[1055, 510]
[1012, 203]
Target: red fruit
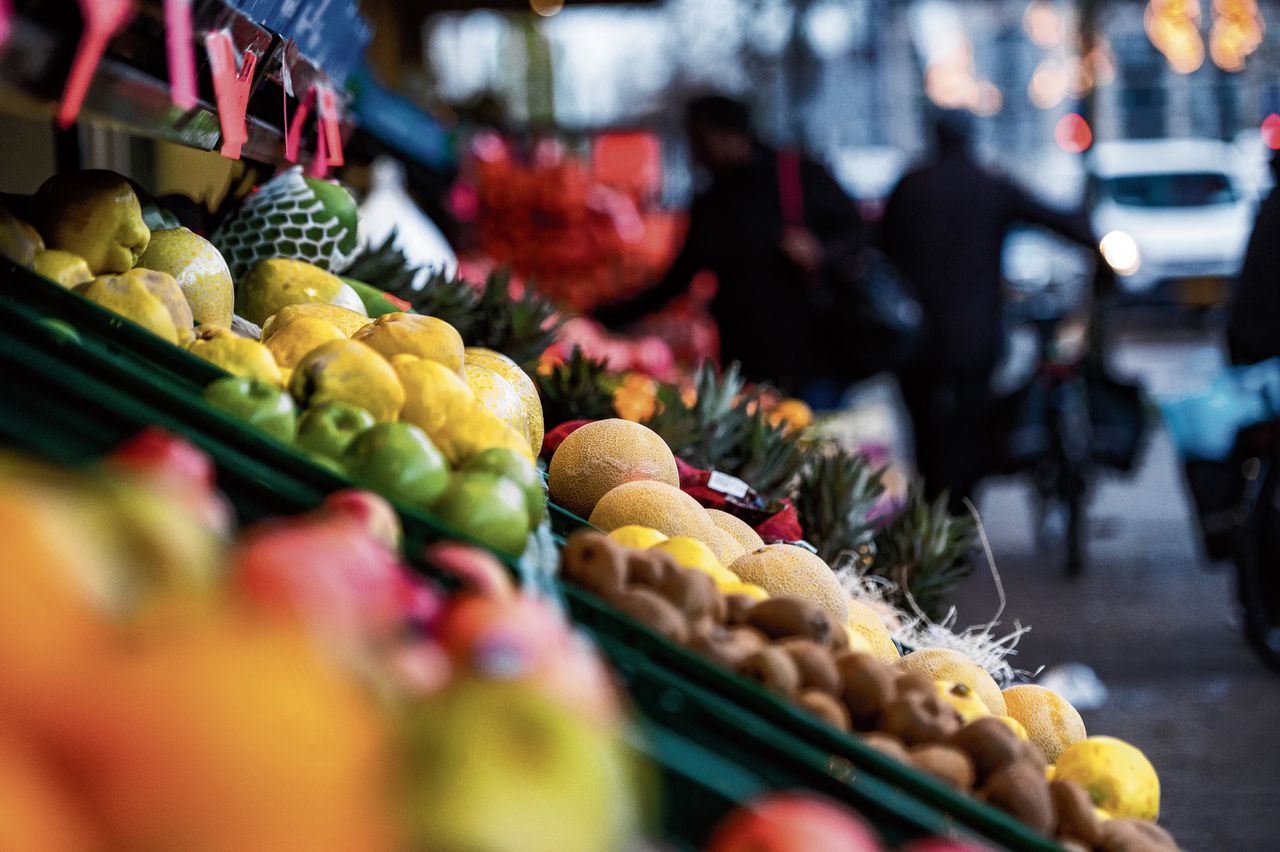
[155, 452]
[478, 571]
[943, 844]
[793, 822]
[328, 572]
[421, 668]
[370, 510]
[502, 638]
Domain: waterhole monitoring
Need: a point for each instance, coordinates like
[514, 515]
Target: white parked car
[1174, 215]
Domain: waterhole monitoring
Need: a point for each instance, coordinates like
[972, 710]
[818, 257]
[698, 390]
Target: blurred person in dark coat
[1253, 328]
[765, 269]
[944, 227]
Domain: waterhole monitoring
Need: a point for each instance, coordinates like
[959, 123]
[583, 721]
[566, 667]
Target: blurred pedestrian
[769, 224]
[944, 227]
[1253, 327]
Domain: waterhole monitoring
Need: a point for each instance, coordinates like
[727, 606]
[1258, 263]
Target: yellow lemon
[290, 344]
[412, 334]
[963, 699]
[433, 394]
[239, 356]
[348, 371]
[1021, 732]
[462, 439]
[497, 396]
[1118, 777]
[737, 587]
[520, 380]
[344, 320]
[946, 664]
[691, 553]
[634, 535]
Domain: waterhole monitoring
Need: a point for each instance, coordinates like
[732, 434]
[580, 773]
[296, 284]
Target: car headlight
[1120, 252]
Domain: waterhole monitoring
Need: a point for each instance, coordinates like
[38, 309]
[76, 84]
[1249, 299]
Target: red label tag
[102, 20]
[182, 53]
[231, 87]
[330, 128]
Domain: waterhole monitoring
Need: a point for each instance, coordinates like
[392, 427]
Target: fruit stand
[383, 447]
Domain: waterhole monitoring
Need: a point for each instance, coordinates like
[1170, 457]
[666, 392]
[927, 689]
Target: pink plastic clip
[6, 21]
[320, 164]
[182, 53]
[293, 138]
[330, 128]
[102, 20]
[232, 89]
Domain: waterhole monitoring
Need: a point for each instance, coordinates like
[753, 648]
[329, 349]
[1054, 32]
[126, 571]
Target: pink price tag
[293, 137]
[102, 20]
[330, 127]
[182, 53]
[231, 88]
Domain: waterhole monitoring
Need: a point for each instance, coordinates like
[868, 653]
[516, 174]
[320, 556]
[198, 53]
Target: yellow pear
[239, 356]
[348, 371]
[344, 320]
[290, 344]
[62, 267]
[464, 438]
[130, 298]
[433, 394]
[399, 333]
[93, 213]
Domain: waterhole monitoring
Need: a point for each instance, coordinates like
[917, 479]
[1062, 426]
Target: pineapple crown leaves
[520, 326]
[835, 495]
[925, 550]
[579, 389]
[724, 429]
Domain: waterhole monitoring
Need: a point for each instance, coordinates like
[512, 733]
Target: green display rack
[77, 387]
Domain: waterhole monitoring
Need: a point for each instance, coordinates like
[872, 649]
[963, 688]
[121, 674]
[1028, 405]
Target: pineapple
[835, 495]
[520, 327]
[925, 551]
[724, 429]
[579, 389]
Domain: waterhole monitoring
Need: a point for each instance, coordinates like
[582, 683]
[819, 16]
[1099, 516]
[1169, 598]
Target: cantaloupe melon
[946, 664]
[1051, 722]
[656, 505]
[787, 569]
[738, 528]
[866, 623]
[726, 547]
[600, 456]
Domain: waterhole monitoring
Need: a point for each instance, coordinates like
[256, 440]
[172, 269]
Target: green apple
[509, 464]
[398, 461]
[260, 404]
[489, 508]
[329, 428]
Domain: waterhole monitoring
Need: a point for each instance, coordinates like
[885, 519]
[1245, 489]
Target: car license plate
[1202, 291]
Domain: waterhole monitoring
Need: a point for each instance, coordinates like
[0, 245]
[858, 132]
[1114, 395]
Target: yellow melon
[726, 547]
[866, 623]
[1051, 722]
[656, 505]
[519, 379]
[600, 456]
[946, 664]
[787, 569]
[738, 528]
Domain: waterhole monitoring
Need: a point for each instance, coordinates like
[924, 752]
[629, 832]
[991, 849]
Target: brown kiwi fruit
[945, 763]
[595, 562]
[915, 682]
[655, 612]
[736, 608]
[866, 687]
[789, 615]
[649, 568]
[728, 646]
[1077, 820]
[826, 707]
[773, 669]
[1134, 835]
[920, 719]
[817, 665]
[887, 744]
[990, 745]
[693, 592]
[837, 637]
[1022, 792]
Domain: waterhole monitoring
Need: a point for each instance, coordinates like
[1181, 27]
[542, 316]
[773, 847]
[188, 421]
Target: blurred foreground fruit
[261, 405]
[37, 812]
[636, 536]
[92, 213]
[176, 467]
[793, 822]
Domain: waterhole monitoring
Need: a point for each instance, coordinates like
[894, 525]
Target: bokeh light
[1048, 84]
[546, 8]
[1073, 134]
[1271, 131]
[1174, 29]
[1043, 24]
